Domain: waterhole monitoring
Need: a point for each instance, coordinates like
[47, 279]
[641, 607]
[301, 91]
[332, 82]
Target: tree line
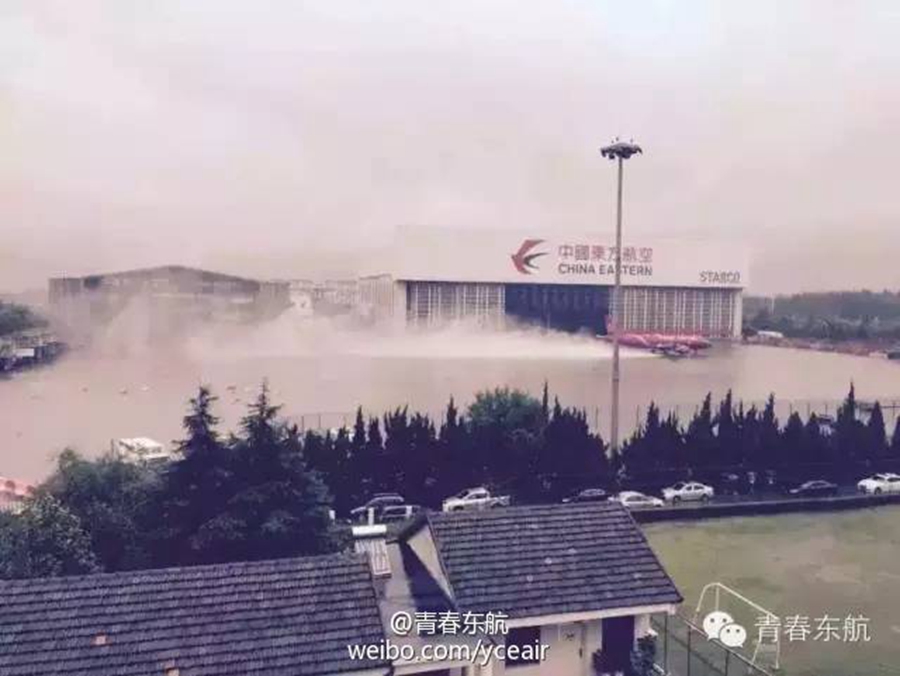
[837, 316]
[15, 318]
[854, 305]
[268, 491]
[726, 437]
[242, 496]
[505, 439]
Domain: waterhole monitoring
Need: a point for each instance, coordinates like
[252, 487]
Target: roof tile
[286, 617]
[549, 559]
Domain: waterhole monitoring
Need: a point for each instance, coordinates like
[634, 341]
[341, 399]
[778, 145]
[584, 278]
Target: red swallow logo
[523, 260]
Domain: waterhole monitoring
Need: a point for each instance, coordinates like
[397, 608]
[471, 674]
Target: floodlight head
[620, 150]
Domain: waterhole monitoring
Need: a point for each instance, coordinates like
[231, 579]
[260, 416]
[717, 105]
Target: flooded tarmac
[321, 376]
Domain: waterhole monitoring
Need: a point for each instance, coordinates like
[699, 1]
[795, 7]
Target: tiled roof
[274, 618]
[544, 560]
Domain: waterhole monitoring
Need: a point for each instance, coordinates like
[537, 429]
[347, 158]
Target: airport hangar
[431, 277]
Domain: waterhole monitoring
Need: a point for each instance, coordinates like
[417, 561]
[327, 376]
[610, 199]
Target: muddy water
[321, 375]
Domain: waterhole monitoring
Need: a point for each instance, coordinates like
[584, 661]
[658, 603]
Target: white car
[474, 498]
[880, 483]
[688, 490]
[635, 500]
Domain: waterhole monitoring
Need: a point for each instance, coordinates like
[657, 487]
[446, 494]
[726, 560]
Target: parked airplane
[676, 344]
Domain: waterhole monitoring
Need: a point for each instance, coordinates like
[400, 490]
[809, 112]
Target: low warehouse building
[168, 296]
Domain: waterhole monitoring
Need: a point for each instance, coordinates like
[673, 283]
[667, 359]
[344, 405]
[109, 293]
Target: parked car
[588, 495]
[635, 500]
[880, 483]
[474, 498]
[688, 490]
[377, 504]
[732, 484]
[815, 488]
[393, 513]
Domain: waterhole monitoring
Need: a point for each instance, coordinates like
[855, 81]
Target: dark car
[731, 483]
[588, 495]
[394, 513]
[815, 489]
[378, 503]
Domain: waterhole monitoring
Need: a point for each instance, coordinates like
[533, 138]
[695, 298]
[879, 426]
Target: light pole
[619, 151]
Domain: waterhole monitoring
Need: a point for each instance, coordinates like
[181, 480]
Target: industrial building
[433, 276]
[168, 297]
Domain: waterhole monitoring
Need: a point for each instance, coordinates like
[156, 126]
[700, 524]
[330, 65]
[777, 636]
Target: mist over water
[292, 335]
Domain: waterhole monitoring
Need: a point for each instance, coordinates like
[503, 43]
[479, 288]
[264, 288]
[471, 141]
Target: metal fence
[682, 649]
[324, 421]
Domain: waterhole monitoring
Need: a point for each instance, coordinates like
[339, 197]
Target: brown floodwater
[321, 374]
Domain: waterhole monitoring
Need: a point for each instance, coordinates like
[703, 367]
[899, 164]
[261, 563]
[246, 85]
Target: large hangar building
[167, 299]
[431, 277]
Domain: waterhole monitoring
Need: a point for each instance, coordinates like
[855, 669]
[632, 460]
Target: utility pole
[618, 151]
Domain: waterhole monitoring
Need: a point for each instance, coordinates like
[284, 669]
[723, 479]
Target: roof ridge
[284, 562]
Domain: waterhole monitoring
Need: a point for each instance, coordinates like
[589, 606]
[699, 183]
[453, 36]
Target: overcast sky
[278, 138]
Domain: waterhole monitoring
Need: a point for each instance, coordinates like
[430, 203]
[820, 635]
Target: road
[768, 503]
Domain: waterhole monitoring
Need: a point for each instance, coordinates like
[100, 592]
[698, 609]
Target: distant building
[167, 296]
[326, 297]
[335, 296]
[140, 450]
[29, 347]
[13, 494]
[564, 281]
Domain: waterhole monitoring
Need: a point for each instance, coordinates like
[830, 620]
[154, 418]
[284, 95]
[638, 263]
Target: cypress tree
[875, 434]
[895, 441]
[196, 486]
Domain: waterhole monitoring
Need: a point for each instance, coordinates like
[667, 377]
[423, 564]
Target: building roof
[288, 617]
[547, 560]
[163, 270]
[15, 487]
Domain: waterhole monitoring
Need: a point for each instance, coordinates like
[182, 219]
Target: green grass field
[801, 564]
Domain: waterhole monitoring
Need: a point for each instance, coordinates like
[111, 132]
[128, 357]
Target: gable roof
[287, 617]
[548, 559]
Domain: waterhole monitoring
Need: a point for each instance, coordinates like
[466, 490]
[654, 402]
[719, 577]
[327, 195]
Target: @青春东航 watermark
[481, 638]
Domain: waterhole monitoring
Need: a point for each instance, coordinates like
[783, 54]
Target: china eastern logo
[524, 258]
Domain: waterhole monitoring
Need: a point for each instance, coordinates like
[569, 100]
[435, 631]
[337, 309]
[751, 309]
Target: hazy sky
[277, 138]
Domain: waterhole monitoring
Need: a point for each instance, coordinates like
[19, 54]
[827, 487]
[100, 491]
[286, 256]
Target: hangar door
[569, 307]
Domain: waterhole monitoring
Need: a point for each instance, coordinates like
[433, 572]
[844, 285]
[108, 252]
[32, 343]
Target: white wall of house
[570, 647]
[642, 626]
[570, 650]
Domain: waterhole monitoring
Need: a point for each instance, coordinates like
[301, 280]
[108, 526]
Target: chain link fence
[682, 649]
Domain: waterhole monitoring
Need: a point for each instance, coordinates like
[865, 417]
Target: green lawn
[809, 565]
